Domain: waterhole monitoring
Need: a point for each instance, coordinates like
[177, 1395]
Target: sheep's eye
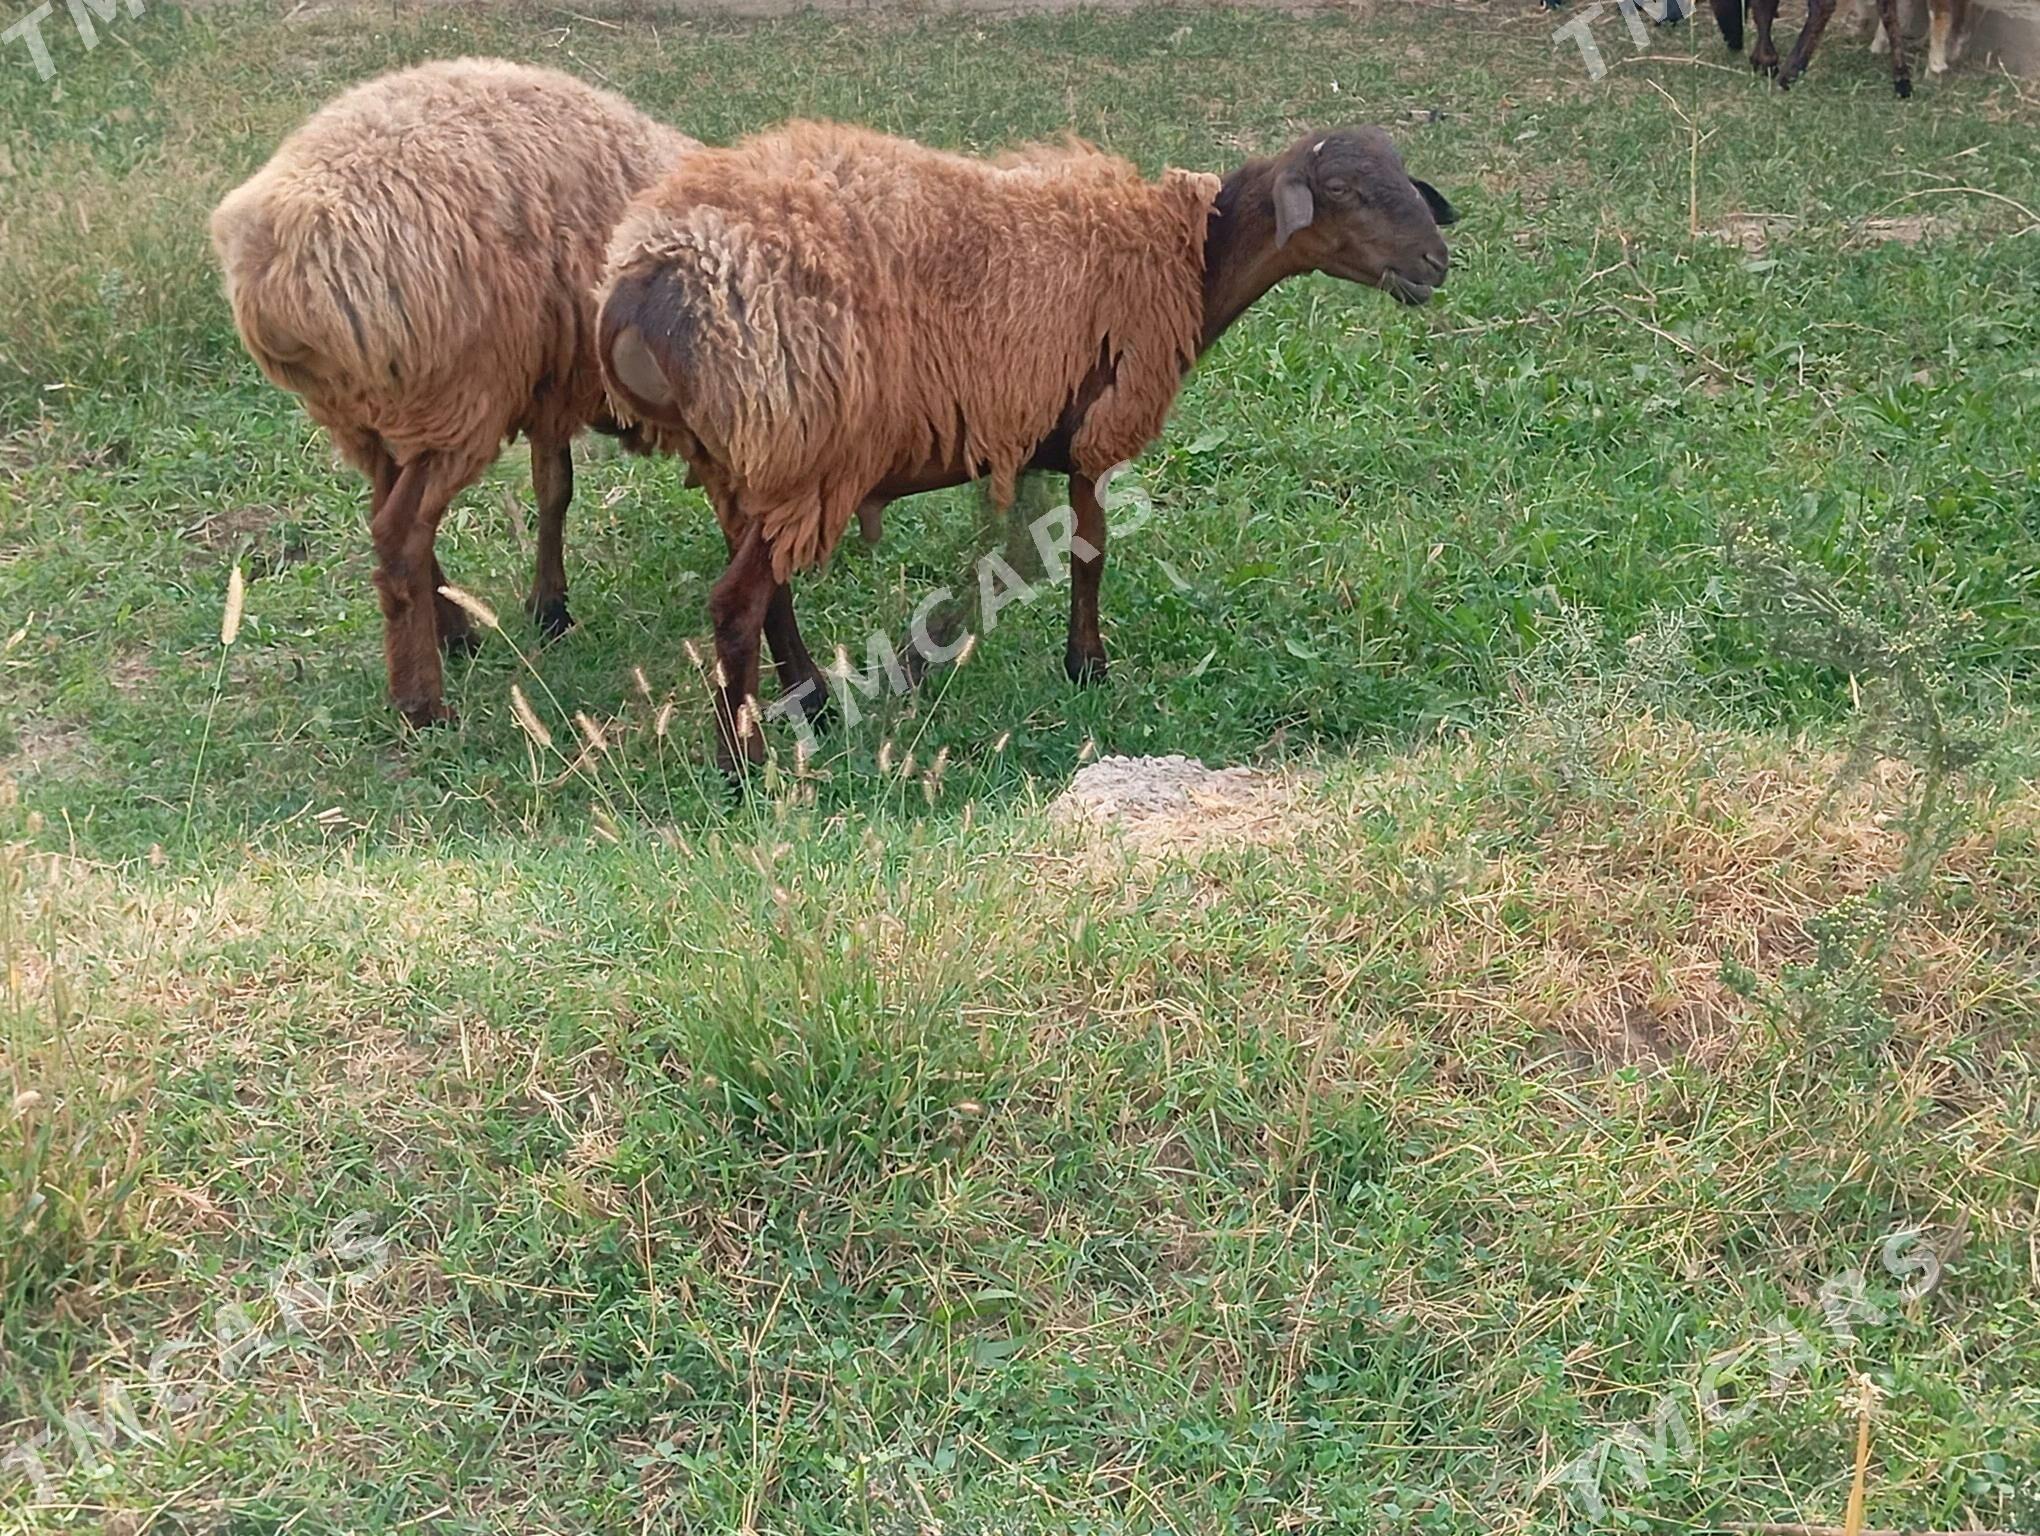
[1338, 191]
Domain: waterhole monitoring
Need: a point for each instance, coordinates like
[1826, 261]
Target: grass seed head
[237, 595]
[527, 717]
[470, 605]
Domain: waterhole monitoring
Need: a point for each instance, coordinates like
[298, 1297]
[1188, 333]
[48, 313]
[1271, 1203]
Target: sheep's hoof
[1084, 667]
[1902, 88]
[738, 773]
[818, 707]
[423, 714]
[550, 616]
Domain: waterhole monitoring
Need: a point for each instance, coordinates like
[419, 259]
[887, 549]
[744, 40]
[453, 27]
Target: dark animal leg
[456, 630]
[1818, 14]
[457, 635]
[1084, 658]
[790, 655]
[737, 605]
[403, 530]
[1894, 28]
[552, 481]
[1764, 57]
[791, 659]
[1728, 17]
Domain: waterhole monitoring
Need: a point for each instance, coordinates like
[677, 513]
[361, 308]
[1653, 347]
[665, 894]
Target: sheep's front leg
[1944, 36]
[737, 606]
[1764, 56]
[1894, 32]
[1728, 17]
[1084, 658]
[552, 481]
[1818, 14]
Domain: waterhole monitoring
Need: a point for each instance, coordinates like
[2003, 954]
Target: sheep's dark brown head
[1345, 205]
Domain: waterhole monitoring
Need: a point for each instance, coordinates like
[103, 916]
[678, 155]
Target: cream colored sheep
[416, 262]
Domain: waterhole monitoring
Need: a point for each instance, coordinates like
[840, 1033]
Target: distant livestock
[1948, 25]
[1948, 32]
[825, 319]
[417, 262]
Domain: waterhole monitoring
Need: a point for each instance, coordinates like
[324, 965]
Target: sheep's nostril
[1436, 262]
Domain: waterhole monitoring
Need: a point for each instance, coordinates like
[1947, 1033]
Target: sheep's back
[840, 307]
[424, 246]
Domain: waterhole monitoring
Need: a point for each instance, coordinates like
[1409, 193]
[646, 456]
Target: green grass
[880, 1155]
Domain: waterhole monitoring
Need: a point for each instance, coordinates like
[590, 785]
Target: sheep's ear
[637, 370]
[1294, 207]
[1441, 210]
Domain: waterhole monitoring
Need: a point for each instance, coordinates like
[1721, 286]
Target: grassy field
[1622, 1042]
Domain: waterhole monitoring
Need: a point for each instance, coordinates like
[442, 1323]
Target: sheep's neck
[1240, 259]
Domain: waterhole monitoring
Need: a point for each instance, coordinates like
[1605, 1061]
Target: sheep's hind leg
[552, 481]
[408, 577]
[737, 606]
[456, 631]
[1084, 657]
[799, 678]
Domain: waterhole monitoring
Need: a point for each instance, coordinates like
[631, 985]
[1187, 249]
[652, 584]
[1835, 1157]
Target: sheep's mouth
[1407, 290]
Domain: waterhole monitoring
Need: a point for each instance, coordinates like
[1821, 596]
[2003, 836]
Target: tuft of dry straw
[527, 717]
[969, 645]
[644, 685]
[597, 742]
[663, 722]
[471, 605]
[237, 597]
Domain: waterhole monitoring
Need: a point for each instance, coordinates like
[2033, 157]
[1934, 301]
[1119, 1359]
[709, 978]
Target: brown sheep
[417, 262]
[827, 319]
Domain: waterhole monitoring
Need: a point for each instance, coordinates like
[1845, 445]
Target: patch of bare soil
[1176, 805]
[1757, 233]
[1754, 232]
[43, 747]
[1908, 230]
